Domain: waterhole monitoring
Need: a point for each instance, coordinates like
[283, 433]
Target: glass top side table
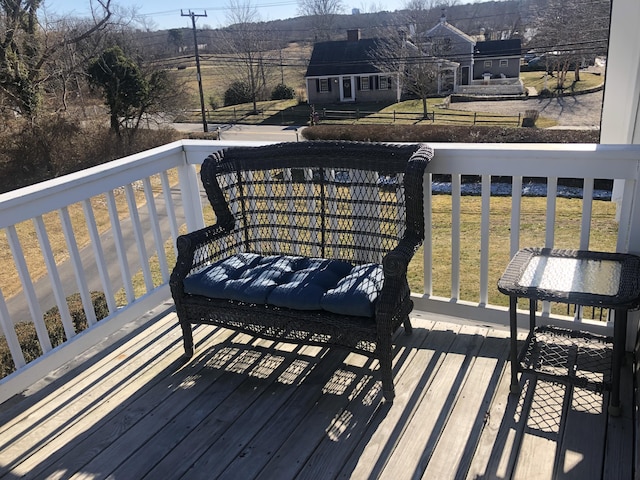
[586, 278]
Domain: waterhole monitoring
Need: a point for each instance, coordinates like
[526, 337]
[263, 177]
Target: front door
[347, 93]
[465, 76]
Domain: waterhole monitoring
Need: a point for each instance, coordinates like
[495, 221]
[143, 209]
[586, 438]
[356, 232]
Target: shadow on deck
[246, 408]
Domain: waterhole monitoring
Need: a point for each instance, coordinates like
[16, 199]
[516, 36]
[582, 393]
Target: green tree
[176, 39]
[123, 85]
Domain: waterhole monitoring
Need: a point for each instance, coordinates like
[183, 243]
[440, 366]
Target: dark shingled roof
[498, 48]
[342, 58]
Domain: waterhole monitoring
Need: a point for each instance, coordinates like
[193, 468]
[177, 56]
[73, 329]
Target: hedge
[448, 133]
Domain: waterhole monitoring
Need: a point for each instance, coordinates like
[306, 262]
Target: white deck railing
[149, 196]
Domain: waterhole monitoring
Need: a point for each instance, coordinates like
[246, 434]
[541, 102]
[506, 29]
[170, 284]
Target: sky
[167, 13]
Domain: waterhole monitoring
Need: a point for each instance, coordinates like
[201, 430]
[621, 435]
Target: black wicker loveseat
[311, 245]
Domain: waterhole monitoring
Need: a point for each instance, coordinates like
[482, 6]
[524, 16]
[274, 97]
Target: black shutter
[358, 82]
[372, 83]
[389, 82]
[377, 77]
[329, 84]
[317, 84]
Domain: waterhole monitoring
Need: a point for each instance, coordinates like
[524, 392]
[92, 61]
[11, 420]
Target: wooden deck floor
[244, 408]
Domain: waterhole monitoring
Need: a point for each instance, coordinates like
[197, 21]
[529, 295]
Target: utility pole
[195, 44]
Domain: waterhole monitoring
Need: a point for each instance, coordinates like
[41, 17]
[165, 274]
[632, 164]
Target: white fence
[146, 198]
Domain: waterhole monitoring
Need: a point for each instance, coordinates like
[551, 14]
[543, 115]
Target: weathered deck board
[247, 408]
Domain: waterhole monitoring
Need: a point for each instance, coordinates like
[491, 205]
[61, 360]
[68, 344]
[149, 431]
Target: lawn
[537, 80]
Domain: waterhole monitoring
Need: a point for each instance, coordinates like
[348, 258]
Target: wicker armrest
[395, 262]
[190, 243]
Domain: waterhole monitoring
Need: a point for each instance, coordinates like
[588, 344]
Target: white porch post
[620, 113]
[620, 122]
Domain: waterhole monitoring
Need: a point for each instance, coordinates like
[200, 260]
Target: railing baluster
[516, 210]
[455, 236]
[138, 234]
[76, 263]
[28, 288]
[311, 207]
[427, 259]
[484, 239]
[552, 196]
[293, 232]
[118, 241]
[550, 224]
[169, 208]
[154, 221]
[190, 193]
[332, 207]
[10, 334]
[98, 253]
[587, 210]
[56, 284]
[271, 209]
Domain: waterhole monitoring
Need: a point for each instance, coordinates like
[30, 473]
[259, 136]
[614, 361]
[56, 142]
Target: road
[247, 132]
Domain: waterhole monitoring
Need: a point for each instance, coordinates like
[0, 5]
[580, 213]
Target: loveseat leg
[187, 338]
[408, 329]
[386, 373]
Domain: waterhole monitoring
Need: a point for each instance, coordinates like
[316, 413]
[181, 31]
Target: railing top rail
[559, 160]
[537, 160]
[28, 202]
[33, 200]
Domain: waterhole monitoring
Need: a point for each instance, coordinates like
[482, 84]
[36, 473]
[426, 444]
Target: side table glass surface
[599, 277]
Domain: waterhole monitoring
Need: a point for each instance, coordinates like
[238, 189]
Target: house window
[364, 83]
[487, 64]
[504, 63]
[383, 82]
[324, 84]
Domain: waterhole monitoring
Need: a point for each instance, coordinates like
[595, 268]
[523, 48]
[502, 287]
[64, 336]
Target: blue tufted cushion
[306, 286]
[297, 283]
[210, 281]
[356, 293]
[256, 283]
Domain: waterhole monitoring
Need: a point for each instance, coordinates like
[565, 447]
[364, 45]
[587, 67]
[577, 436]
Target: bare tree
[416, 71]
[570, 32]
[28, 50]
[248, 41]
[322, 15]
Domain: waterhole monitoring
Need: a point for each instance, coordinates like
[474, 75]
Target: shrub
[28, 339]
[238, 92]
[282, 92]
[57, 146]
[213, 102]
[545, 93]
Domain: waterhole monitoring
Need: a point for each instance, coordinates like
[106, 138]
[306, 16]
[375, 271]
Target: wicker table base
[607, 280]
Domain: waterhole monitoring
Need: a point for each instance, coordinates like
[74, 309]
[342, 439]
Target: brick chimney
[353, 35]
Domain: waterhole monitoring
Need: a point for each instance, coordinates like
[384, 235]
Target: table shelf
[580, 358]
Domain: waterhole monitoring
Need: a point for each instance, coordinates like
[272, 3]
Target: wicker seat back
[338, 200]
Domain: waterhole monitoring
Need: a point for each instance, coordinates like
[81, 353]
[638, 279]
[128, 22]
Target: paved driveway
[571, 111]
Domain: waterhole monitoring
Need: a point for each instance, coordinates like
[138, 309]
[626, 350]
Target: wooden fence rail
[302, 116]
